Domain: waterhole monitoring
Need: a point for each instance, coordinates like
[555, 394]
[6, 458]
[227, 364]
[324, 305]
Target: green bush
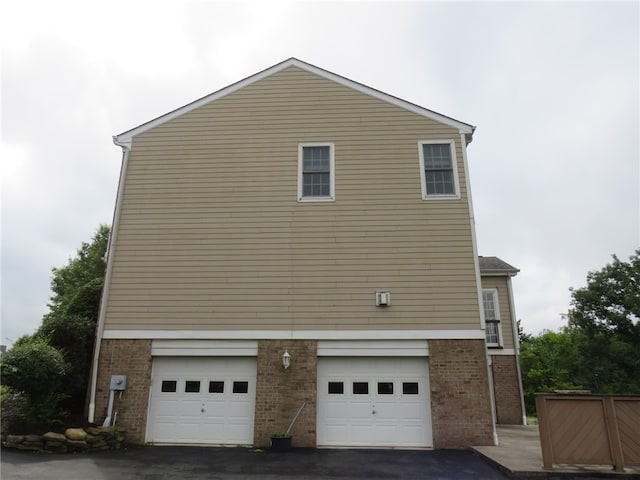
[36, 370]
[73, 336]
[10, 409]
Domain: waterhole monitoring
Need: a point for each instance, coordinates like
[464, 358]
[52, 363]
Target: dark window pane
[315, 159]
[216, 387]
[316, 171]
[336, 387]
[437, 156]
[410, 388]
[438, 167]
[240, 387]
[385, 388]
[192, 386]
[169, 386]
[360, 388]
[316, 185]
[439, 182]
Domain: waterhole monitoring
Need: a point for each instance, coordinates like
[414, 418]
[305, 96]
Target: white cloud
[552, 88]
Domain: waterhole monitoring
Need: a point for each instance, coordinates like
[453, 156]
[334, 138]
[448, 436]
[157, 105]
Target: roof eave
[499, 273]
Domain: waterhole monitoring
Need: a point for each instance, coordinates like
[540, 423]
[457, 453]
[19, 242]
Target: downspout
[516, 346]
[476, 261]
[126, 150]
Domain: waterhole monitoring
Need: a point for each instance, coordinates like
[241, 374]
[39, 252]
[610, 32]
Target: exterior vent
[383, 299]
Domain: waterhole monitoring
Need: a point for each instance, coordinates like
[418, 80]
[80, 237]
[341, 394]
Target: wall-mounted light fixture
[286, 359]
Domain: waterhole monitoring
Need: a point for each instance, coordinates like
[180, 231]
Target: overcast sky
[552, 88]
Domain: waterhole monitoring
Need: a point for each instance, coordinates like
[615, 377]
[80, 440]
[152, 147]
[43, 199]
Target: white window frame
[496, 321]
[454, 164]
[332, 172]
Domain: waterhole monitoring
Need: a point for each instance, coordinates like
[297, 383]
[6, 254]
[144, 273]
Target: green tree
[605, 324]
[73, 312]
[547, 363]
[77, 286]
[522, 335]
[36, 370]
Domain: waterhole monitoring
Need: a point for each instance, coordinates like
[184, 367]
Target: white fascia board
[295, 334]
[499, 273]
[462, 127]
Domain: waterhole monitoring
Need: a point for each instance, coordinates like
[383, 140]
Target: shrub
[10, 409]
[36, 370]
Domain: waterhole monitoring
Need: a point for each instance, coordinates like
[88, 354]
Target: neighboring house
[300, 216]
[502, 339]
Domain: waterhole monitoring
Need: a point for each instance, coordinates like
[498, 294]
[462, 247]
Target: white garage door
[202, 400]
[374, 402]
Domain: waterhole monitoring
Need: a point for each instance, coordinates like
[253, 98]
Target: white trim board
[296, 334]
[326, 348]
[218, 348]
[462, 127]
[500, 351]
[373, 348]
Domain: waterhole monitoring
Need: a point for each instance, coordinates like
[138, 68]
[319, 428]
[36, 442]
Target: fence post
[545, 433]
[613, 432]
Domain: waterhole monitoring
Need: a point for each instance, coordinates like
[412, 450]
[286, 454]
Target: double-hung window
[316, 172]
[438, 170]
[491, 317]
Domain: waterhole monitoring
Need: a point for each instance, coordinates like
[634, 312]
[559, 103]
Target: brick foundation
[133, 359]
[460, 400]
[506, 386]
[280, 392]
[460, 395]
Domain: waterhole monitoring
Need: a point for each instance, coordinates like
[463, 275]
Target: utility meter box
[118, 382]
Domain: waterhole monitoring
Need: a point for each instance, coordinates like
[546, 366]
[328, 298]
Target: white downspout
[463, 143]
[126, 150]
[516, 346]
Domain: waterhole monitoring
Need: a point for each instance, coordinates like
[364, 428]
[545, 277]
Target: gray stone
[98, 445]
[32, 448]
[75, 434]
[15, 439]
[52, 436]
[91, 439]
[80, 444]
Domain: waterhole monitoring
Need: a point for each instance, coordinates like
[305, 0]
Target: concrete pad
[520, 455]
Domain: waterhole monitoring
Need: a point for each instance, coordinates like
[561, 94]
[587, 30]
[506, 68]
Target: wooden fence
[579, 429]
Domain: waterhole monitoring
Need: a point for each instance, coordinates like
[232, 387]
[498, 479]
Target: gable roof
[464, 128]
[496, 266]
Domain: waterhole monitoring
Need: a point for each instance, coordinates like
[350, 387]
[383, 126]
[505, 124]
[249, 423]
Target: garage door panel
[214, 405]
[193, 400]
[165, 430]
[412, 412]
[383, 402]
[167, 407]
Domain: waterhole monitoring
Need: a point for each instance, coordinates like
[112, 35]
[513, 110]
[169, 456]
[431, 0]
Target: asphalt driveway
[196, 463]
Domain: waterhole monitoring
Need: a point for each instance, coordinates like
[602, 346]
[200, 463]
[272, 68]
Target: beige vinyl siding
[500, 284]
[212, 235]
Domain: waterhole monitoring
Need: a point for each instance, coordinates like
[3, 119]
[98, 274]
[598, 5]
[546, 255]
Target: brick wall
[280, 392]
[460, 396]
[133, 359]
[506, 386]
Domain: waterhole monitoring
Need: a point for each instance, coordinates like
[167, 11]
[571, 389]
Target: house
[300, 242]
[501, 330]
